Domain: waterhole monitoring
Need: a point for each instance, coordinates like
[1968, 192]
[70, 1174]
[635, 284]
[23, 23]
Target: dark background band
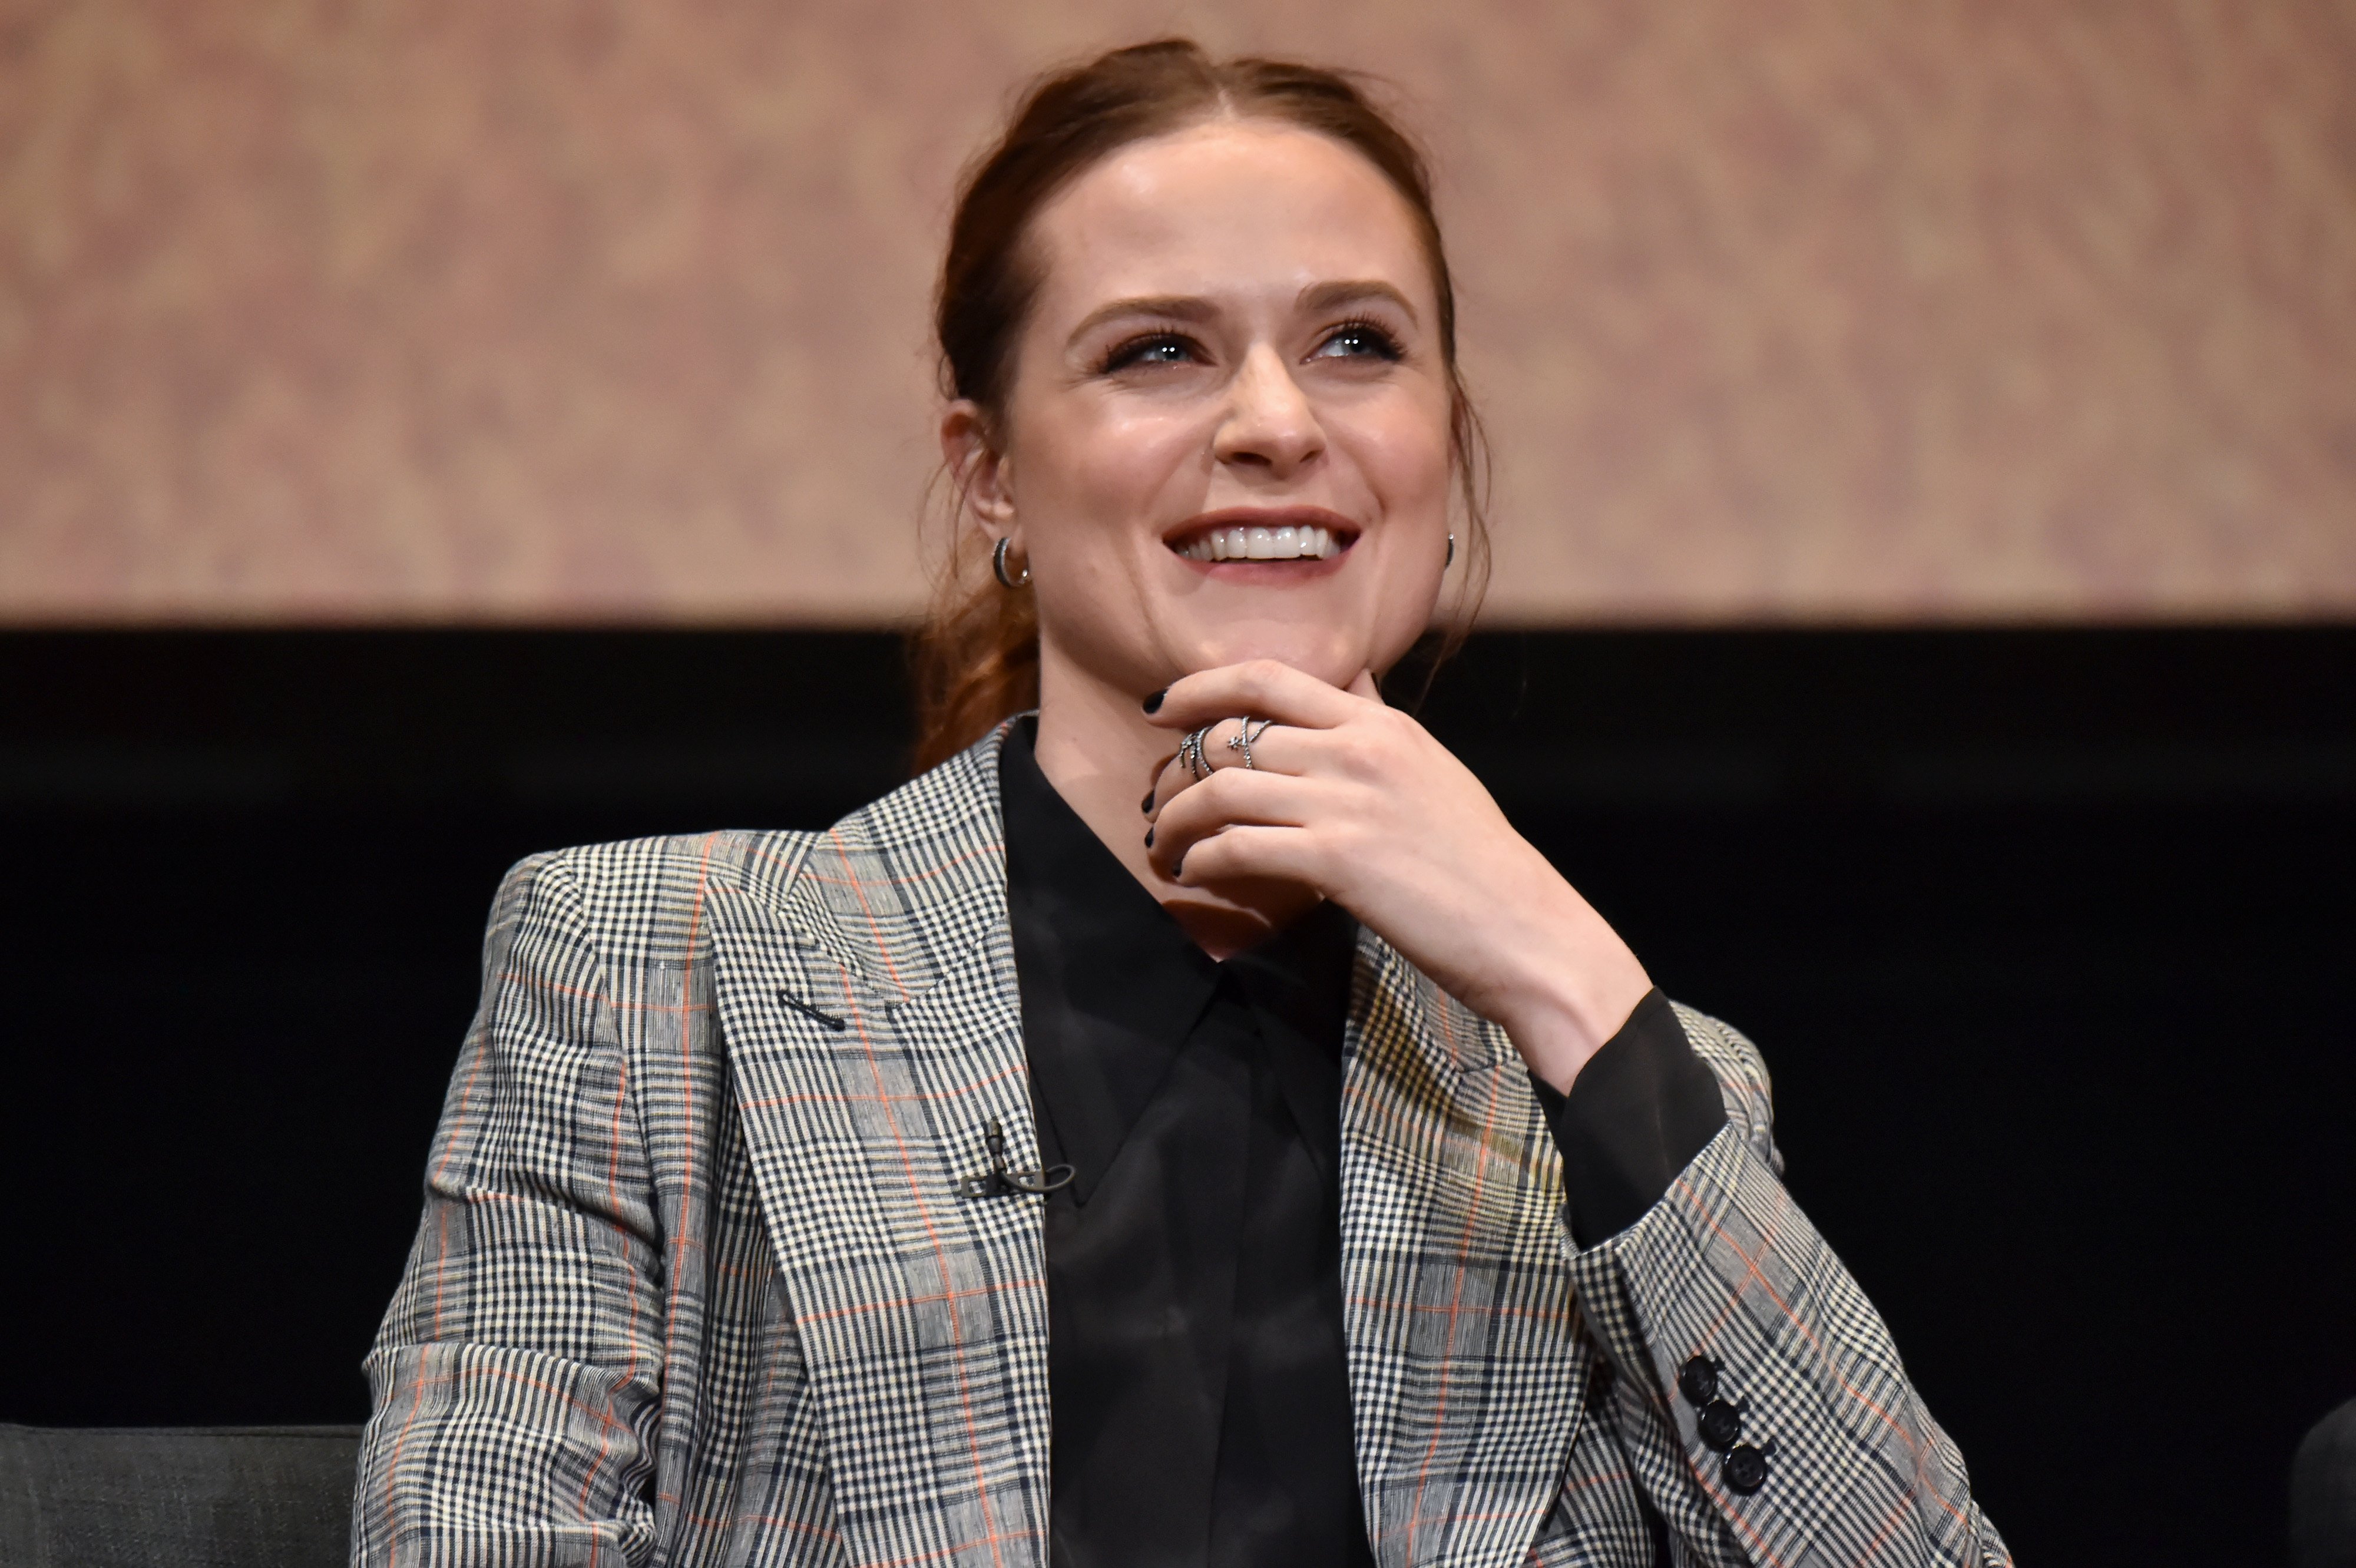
[2046, 934]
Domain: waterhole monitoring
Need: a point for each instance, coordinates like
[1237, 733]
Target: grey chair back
[2323, 1494]
[222, 1497]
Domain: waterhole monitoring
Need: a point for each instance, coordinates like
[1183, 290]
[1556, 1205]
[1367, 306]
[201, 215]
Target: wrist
[1563, 1015]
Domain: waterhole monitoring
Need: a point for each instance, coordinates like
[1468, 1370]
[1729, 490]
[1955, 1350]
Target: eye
[1359, 340]
[1150, 348]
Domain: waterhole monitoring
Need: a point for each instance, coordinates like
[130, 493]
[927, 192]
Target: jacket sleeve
[1830, 1456]
[517, 1376]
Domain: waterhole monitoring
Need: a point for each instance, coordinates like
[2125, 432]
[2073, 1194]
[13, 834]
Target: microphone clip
[999, 1182]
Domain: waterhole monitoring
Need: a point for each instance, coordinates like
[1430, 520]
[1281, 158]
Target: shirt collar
[1112, 985]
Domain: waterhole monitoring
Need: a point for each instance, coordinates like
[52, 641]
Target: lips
[1291, 534]
[1237, 543]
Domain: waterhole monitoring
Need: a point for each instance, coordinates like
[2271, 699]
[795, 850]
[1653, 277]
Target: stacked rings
[1198, 764]
[1244, 736]
[1190, 752]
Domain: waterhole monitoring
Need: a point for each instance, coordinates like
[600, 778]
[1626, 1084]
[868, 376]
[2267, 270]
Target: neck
[1097, 750]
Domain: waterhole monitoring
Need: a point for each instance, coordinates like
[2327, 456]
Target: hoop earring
[1444, 565]
[998, 567]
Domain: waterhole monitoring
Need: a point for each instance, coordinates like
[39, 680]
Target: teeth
[1240, 543]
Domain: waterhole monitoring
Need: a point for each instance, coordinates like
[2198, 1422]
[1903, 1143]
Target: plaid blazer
[693, 1284]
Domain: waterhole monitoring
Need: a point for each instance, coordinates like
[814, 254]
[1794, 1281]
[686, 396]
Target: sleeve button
[1745, 1469]
[1720, 1424]
[1698, 1380]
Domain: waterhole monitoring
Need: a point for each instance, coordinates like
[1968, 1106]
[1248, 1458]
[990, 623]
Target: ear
[982, 475]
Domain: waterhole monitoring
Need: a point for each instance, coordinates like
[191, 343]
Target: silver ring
[998, 567]
[1190, 752]
[1244, 736]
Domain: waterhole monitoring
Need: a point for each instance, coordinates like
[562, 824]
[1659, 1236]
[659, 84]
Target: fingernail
[1178, 870]
[1153, 703]
[1147, 804]
[1148, 838]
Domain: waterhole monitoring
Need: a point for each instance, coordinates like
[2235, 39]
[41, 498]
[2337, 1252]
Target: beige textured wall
[577, 309]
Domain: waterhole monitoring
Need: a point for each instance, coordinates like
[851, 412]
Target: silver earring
[998, 567]
[1444, 565]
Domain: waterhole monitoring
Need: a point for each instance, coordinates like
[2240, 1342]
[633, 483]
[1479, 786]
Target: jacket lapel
[1466, 1365]
[865, 983]
[866, 989]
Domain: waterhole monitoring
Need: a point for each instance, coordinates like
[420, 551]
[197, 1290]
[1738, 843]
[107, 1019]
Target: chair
[221, 1497]
[2323, 1494]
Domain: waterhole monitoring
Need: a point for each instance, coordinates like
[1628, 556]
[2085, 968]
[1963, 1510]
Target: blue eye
[1359, 340]
[1157, 348]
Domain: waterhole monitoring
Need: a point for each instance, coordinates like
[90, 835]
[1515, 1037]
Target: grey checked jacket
[693, 1285]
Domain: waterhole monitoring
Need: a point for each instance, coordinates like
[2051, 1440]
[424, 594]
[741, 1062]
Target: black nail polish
[1148, 838]
[1178, 870]
[1153, 703]
[1147, 805]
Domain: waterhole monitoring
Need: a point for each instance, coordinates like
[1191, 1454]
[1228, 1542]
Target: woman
[1187, 1126]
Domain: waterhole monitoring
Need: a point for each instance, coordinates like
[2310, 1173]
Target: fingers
[1262, 688]
[1251, 852]
[1272, 748]
[1277, 696]
[1235, 742]
[1233, 799]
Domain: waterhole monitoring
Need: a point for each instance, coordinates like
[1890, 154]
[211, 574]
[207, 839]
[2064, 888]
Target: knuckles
[1254, 681]
[1198, 798]
[1358, 752]
[1261, 677]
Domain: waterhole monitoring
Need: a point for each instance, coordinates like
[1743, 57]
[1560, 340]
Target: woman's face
[1227, 434]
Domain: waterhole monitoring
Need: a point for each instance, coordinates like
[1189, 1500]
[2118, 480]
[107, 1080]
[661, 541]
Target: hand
[1356, 800]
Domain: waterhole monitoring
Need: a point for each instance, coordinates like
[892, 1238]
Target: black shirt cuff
[1639, 1112]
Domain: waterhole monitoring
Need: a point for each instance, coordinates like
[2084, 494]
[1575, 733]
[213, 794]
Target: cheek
[1409, 466]
[1089, 472]
[1406, 458]
[1122, 462]
[1084, 479]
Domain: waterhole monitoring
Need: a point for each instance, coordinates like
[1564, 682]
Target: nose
[1270, 425]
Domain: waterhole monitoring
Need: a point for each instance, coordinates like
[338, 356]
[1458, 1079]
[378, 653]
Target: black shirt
[1197, 1373]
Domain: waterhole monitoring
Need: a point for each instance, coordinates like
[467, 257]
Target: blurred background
[1925, 617]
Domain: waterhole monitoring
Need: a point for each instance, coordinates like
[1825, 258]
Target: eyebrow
[1171, 307]
[1188, 307]
[1328, 296]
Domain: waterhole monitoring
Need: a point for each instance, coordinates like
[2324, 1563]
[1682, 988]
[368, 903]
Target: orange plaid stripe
[691, 1287]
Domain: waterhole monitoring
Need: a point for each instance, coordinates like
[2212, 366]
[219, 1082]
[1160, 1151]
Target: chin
[1334, 654]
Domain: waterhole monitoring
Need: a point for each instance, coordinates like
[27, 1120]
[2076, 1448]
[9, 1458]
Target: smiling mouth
[1240, 541]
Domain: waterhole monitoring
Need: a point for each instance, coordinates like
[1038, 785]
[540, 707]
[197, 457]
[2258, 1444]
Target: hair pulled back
[976, 653]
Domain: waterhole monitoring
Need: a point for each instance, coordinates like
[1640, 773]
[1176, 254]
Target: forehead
[1224, 207]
